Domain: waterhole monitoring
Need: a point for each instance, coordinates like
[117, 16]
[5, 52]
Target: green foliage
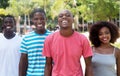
[117, 44]
[84, 9]
[4, 3]
[102, 9]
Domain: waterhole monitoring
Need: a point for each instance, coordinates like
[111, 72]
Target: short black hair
[94, 32]
[37, 10]
[10, 16]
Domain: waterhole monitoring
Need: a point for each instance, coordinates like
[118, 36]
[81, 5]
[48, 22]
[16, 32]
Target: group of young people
[43, 53]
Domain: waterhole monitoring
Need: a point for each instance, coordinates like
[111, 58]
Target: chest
[9, 47]
[102, 59]
[66, 47]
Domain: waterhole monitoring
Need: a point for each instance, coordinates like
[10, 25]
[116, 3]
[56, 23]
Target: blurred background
[86, 12]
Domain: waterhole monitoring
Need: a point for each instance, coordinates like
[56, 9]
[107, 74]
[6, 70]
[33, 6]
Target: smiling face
[65, 19]
[8, 24]
[39, 20]
[104, 35]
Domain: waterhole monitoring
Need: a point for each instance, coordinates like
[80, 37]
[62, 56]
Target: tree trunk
[25, 25]
[18, 25]
[76, 22]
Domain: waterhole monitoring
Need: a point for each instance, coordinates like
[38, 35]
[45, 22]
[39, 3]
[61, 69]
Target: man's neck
[9, 35]
[66, 33]
[40, 32]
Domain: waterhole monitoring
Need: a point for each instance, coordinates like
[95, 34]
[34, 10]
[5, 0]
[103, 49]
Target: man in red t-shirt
[64, 48]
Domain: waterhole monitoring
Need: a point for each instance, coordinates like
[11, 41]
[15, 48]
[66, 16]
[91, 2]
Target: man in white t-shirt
[9, 48]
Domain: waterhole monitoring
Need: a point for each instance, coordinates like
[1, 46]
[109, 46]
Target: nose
[8, 23]
[104, 35]
[39, 21]
[64, 16]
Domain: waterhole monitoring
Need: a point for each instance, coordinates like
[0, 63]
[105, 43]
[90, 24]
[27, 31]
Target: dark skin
[117, 54]
[88, 69]
[109, 50]
[39, 20]
[65, 20]
[23, 65]
[48, 66]
[65, 28]
[8, 27]
[106, 45]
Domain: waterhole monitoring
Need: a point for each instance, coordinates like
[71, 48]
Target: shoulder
[48, 31]
[1, 34]
[18, 36]
[117, 52]
[81, 36]
[52, 36]
[28, 37]
[29, 34]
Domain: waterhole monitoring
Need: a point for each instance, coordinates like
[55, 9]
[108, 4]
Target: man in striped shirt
[32, 62]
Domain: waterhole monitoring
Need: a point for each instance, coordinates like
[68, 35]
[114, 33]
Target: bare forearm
[23, 65]
[88, 71]
[118, 72]
[22, 69]
[48, 71]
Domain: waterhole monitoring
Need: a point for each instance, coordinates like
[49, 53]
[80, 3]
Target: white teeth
[8, 27]
[64, 21]
[104, 39]
[39, 25]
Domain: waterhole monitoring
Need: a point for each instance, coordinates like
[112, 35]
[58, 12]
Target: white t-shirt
[9, 55]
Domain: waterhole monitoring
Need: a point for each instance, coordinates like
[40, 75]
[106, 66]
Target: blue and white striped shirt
[32, 45]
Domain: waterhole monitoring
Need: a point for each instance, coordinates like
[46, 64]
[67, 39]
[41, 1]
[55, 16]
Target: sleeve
[87, 51]
[47, 47]
[23, 47]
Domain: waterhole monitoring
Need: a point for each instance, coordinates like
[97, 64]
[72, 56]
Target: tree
[100, 9]
[4, 3]
[83, 10]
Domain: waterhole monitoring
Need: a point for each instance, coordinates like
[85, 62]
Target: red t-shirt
[66, 53]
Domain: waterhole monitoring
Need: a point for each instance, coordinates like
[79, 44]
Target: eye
[35, 18]
[60, 15]
[5, 22]
[42, 19]
[100, 34]
[67, 15]
[107, 32]
[10, 22]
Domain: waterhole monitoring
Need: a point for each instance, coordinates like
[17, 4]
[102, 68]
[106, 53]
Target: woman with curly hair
[106, 58]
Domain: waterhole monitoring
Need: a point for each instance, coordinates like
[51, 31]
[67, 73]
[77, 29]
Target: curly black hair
[94, 32]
